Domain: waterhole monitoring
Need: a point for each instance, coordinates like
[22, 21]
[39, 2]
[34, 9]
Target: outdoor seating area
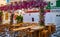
[26, 31]
[29, 18]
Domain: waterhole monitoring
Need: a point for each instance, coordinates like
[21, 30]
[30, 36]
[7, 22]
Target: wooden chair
[2, 32]
[26, 33]
[45, 33]
[48, 27]
[11, 32]
[40, 32]
[36, 33]
[30, 32]
[53, 28]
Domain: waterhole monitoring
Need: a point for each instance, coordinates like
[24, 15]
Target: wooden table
[32, 27]
[35, 28]
[16, 25]
[51, 28]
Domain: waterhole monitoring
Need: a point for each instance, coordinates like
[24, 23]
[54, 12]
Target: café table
[35, 28]
[38, 30]
[32, 27]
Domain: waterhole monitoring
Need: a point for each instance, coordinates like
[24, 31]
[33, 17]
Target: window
[51, 3]
[32, 19]
[57, 15]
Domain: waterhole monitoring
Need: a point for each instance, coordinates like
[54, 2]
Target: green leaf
[19, 18]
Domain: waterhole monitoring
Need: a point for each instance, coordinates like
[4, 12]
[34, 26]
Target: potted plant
[19, 19]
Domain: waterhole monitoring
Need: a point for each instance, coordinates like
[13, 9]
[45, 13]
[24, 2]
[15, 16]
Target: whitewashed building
[31, 17]
[54, 15]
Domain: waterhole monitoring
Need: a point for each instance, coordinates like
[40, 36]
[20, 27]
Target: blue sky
[7, 1]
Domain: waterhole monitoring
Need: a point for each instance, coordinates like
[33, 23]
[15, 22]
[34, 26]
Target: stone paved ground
[57, 33]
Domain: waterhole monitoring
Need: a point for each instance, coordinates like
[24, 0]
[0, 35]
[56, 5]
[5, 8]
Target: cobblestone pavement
[57, 33]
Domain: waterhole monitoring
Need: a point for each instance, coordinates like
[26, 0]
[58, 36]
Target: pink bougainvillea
[24, 4]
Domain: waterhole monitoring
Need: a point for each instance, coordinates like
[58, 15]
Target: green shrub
[19, 19]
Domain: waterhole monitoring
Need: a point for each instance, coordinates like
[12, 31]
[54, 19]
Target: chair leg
[45, 33]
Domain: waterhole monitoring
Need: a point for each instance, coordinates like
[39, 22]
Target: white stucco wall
[2, 2]
[52, 18]
[27, 17]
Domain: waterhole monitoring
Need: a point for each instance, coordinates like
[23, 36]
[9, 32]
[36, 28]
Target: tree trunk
[42, 17]
[42, 20]
[11, 19]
